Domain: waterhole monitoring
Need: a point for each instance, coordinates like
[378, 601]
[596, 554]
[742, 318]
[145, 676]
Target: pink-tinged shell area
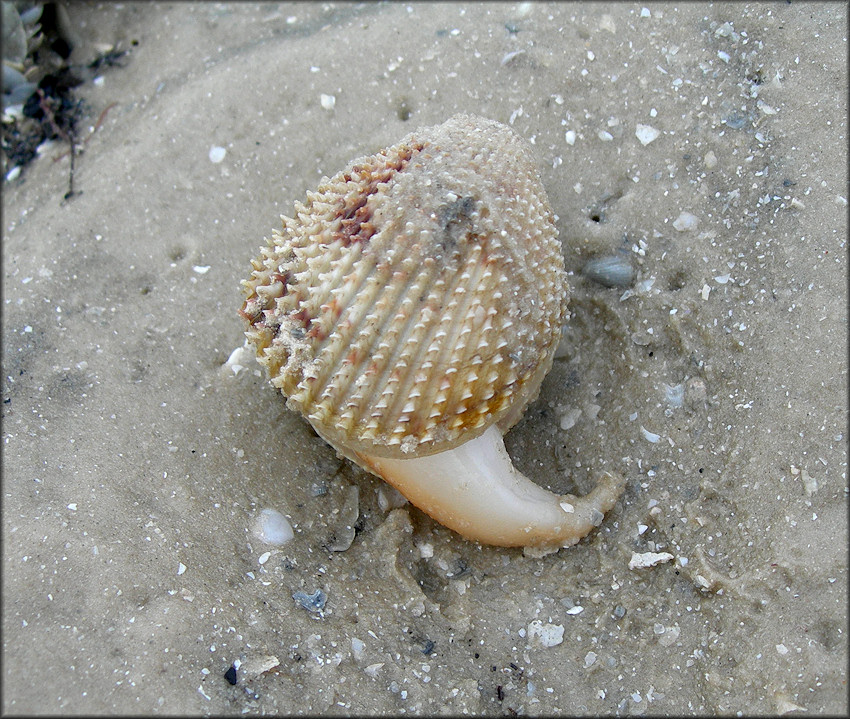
[416, 298]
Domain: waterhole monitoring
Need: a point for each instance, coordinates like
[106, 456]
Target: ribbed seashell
[416, 298]
[419, 294]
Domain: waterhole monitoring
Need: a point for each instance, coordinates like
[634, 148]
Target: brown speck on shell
[417, 297]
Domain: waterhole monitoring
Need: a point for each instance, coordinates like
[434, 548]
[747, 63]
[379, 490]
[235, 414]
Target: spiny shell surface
[417, 297]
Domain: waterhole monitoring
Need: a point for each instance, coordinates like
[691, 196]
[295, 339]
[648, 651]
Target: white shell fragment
[646, 134]
[271, 527]
[674, 395]
[569, 418]
[239, 358]
[648, 559]
[254, 666]
[649, 436]
[685, 221]
[545, 635]
[358, 648]
[810, 484]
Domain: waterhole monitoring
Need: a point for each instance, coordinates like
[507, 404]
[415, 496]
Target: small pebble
[314, 602]
[230, 675]
[217, 154]
[18, 96]
[328, 101]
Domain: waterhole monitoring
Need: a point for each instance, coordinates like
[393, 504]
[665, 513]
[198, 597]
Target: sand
[706, 145]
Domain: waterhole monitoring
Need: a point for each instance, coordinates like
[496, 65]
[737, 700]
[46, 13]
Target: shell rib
[414, 302]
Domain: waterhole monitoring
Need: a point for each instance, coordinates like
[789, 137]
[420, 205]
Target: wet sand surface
[706, 146]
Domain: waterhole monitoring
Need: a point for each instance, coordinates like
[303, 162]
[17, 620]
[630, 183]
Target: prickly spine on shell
[414, 302]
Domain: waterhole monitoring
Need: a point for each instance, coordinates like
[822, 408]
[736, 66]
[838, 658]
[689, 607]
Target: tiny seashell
[271, 527]
[314, 602]
[610, 271]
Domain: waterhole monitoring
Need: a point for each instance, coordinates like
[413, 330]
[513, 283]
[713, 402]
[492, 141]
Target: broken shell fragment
[410, 311]
[610, 271]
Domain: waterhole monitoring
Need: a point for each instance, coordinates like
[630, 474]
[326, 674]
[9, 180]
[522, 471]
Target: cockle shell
[410, 311]
[417, 297]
